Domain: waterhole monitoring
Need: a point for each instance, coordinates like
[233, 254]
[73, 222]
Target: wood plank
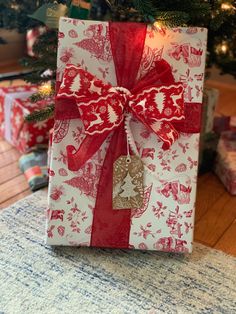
[10, 171]
[15, 198]
[203, 178]
[216, 220]
[4, 146]
[12, 187]
[8, 83]
[207, 194]
[227, 242]
[9, 157]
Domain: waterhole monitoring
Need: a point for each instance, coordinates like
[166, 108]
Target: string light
[222, 48]
[226, 6]
[15, 6]
[157, 25]
[45, 89]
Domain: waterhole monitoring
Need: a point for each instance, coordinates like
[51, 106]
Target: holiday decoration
[31, 37]
[114, 98]
[49, 14]
[225, 167]
[215, 15]
[7, 96]
[15, 105]
[128, 189]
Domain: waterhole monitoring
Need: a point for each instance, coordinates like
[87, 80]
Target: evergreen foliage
[41, 115]
[220, 21]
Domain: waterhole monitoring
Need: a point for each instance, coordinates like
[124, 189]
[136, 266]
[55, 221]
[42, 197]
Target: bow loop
[79, 84]
[102, 107]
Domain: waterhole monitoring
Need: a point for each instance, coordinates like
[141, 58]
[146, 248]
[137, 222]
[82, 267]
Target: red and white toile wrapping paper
[225, 167]
[15, 106]
[165, 222]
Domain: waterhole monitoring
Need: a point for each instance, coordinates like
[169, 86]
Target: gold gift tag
[128, 187]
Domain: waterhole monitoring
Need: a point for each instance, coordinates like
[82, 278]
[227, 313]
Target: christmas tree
[14, 14]
[217, 15]
[128, 188]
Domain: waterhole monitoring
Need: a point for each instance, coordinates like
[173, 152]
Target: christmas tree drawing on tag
[128, 187]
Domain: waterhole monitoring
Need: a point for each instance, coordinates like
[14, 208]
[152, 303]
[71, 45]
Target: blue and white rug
[36, 279]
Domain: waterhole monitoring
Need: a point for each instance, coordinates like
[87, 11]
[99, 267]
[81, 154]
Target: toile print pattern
[166, 218]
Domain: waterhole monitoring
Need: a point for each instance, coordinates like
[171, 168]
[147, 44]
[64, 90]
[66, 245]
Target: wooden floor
[215, 221]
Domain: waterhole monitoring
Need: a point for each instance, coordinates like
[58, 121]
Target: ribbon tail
[110, 228]
[89, 146]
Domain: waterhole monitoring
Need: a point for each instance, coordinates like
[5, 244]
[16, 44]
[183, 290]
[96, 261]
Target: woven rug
[35, 278]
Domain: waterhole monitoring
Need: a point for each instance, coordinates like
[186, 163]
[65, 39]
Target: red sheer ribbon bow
[102, 108]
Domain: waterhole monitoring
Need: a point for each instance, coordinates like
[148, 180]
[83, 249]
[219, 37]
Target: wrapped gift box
[80, 211]
[15, 105]
[7, 95]
[34, 167]
[225, 167]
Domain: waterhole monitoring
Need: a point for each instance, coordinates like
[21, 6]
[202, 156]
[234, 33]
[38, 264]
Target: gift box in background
[80, 195]
[35, 168]
[225, 167]
[15, 106]
[7, 96]
[25, 135]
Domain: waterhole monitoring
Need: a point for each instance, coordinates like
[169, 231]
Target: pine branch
[145, 7]
[40, 96]
[41, 115]
[172, 18]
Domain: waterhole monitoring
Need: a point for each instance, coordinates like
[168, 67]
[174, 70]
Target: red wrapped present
[7, 96]
[226, 161]
[15, 105]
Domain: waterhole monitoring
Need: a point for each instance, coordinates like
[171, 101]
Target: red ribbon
[156, 100]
